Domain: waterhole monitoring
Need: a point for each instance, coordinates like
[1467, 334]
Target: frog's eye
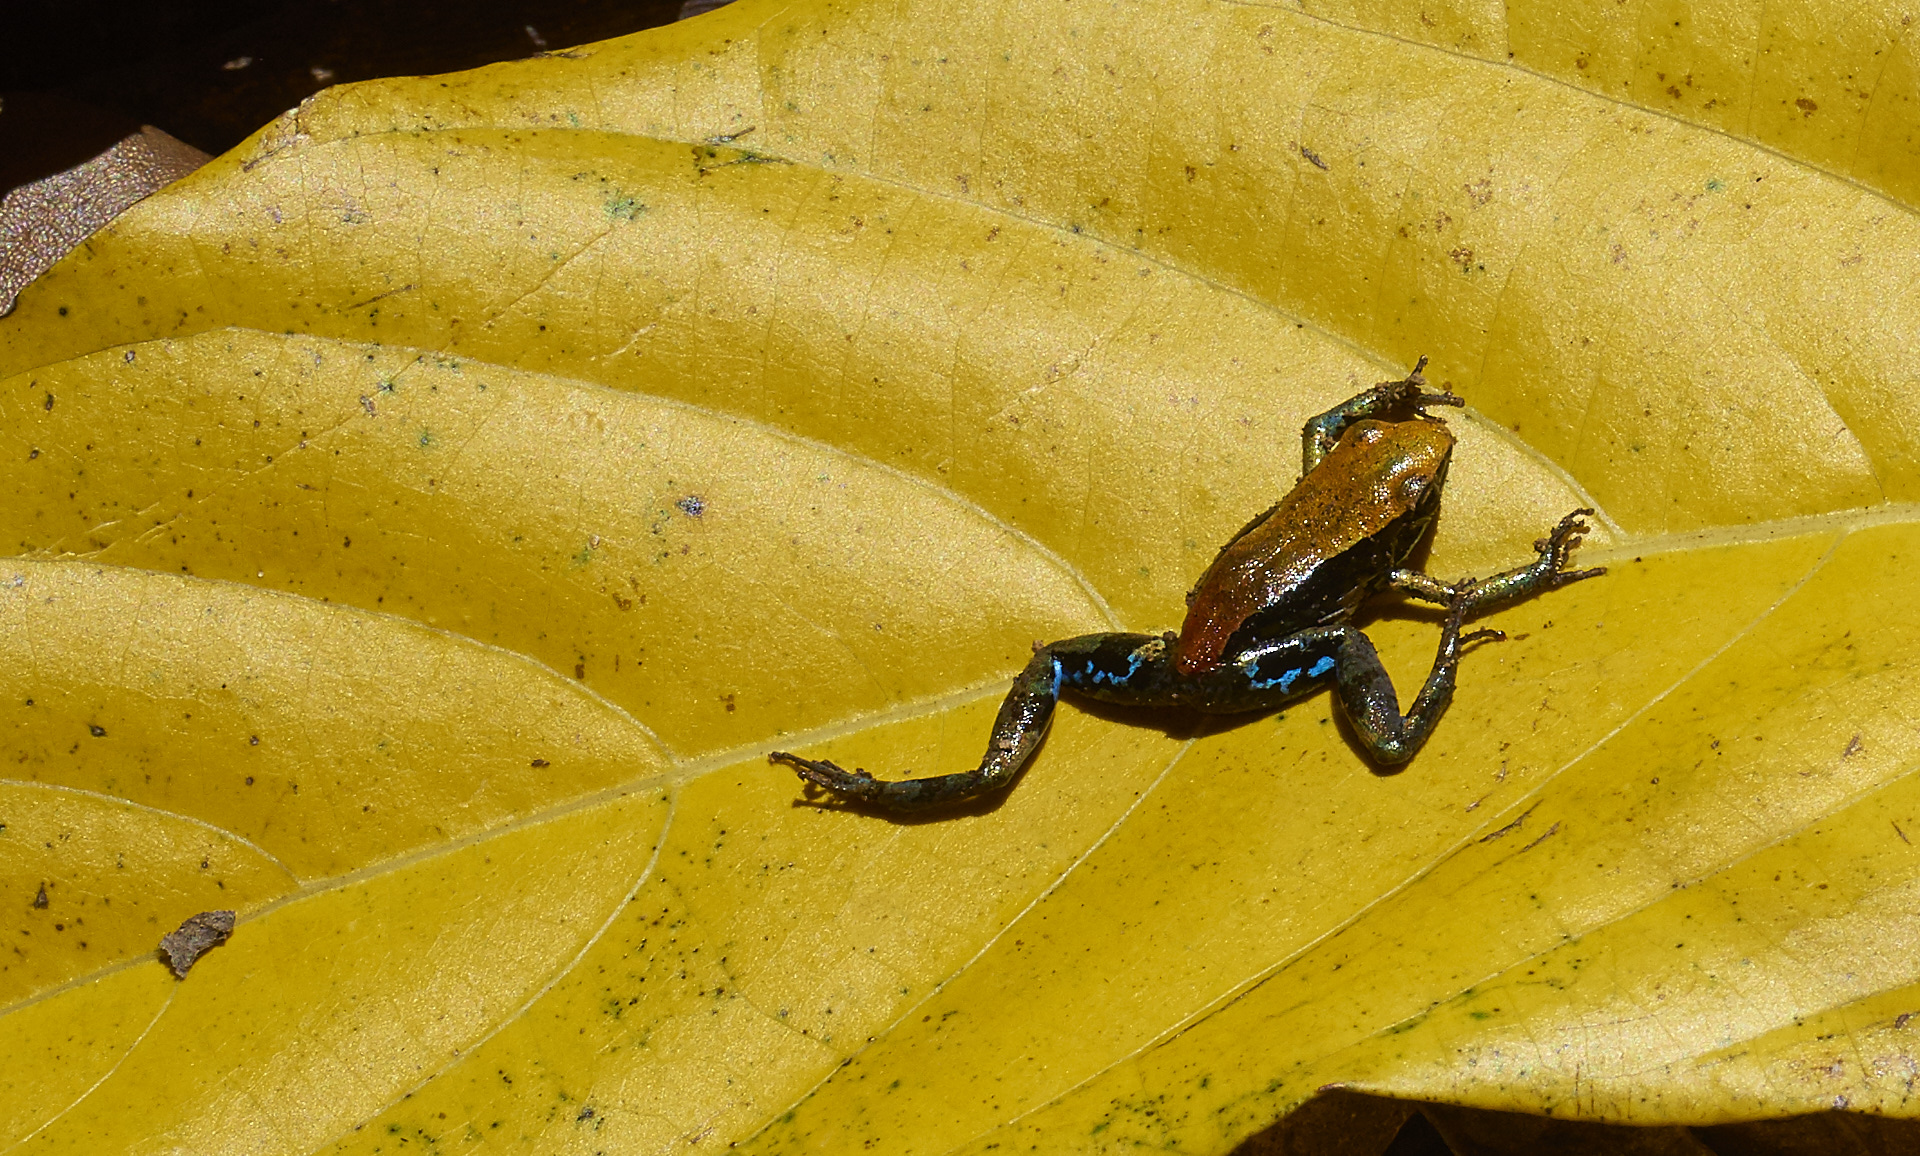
[1411, 487]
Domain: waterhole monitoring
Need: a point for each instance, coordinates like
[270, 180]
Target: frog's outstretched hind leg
[1024, 718]
[1126, 668]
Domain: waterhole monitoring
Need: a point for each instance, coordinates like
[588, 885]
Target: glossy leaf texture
[425, 518]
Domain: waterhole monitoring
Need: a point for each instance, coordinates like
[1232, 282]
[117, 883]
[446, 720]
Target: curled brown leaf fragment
[198, 935]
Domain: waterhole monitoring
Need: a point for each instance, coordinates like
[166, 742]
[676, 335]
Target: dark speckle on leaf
[693, 505]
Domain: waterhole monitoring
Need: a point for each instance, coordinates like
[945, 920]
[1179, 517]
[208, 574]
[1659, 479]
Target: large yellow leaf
[427, 516]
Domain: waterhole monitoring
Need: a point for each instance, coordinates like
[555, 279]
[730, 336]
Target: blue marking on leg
[1290, 676]
[1099, 676]
[1284, 682]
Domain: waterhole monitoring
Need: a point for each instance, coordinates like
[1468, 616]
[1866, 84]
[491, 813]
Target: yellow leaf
[426, 517]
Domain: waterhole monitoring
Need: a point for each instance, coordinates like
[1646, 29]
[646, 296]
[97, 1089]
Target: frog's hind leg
[1269, 676]
[1367, 695]
[1131, 668]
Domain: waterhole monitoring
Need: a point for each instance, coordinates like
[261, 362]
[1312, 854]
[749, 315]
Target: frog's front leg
[1548, 572]
[1322, 432]
[1125, 668]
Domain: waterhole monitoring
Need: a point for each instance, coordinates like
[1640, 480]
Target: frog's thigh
[1368, 698]
[1266, 675]
[1135, 669]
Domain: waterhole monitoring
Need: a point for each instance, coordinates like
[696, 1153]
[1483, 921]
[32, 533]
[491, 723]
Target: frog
[1270, 620]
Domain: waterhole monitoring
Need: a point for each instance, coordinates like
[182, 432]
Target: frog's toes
[1571, 526]
[1415, 378]
[1557, 548]
[856, 783]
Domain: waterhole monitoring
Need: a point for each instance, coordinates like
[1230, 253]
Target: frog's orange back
[1327, 546]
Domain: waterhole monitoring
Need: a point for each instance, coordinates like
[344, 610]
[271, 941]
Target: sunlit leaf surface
[425, 519]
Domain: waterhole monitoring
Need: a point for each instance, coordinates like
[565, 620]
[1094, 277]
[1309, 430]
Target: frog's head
[1403, 464]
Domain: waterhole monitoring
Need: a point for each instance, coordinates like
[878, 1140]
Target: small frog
[1266, 623]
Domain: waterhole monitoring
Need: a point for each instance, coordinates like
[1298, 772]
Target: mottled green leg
[1126, 668]
[1367, 695]
[1482, 595]
[1322, 433]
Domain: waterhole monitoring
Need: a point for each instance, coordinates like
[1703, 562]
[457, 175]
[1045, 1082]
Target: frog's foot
[1548, 572]
[1412, 390]
[1556, 550]
[856, 784]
